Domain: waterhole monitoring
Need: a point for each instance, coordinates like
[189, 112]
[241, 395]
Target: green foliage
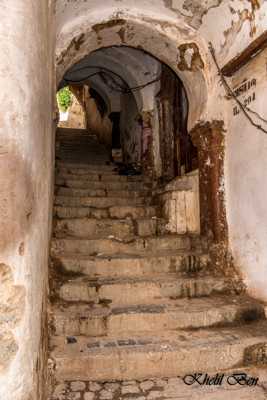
[64, 99]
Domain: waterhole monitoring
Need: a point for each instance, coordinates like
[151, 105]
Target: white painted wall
[246, 180]
[26, 150]
[26, 153]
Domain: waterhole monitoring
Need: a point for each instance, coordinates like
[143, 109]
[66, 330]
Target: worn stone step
[81, 172]
[101, 202]
[102, 177]
[84, 320]
[87, 170]
[126, 265]
[107, 185]
[115, 212]
[163, 354]
[171, 388]
[87, 166]
[130, 291]
[105, 228]
[70, 154]
[113, 246]
[70, 192]
[94, 228]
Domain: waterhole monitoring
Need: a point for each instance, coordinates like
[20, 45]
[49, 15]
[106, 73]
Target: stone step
[114, 266]
[102, 177]
[115, 212]
[163, 354]
[76, 166]
[81, 172]
[101, 202]
[70, 154]
[96, 229]
[70, 192]
[94, 170]
[168, 388]
[87, 170]
[132, 291]
[112, 246]
[84, 320]
[80, 184]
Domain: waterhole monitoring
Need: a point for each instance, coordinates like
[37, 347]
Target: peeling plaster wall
[230, 24]
[84, 27]
[246, 182]
[233, 26]
[26, 166]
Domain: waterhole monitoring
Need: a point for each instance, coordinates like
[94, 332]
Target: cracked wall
[230, 24]
[26, 152]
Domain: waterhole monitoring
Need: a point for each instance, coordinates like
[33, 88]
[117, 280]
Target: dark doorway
[116, 134]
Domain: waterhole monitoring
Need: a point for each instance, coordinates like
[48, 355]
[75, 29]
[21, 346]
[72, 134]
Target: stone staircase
[128, 300]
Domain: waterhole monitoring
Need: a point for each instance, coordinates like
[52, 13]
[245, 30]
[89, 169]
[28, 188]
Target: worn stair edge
[107, 228]
[98, 177]
[84, 320]
[114, 212]
[141, 290]
[131, 265]
[101, 202]
[79, 184]
[111, 246]
[168, 354]
[70, 192]
[86, 170]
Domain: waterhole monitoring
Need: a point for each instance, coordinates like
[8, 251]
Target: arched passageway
[97, 208]
[168, 44]
[144, 205]
[150, 105]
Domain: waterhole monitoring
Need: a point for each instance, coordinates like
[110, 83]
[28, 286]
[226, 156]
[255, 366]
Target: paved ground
[169, 389]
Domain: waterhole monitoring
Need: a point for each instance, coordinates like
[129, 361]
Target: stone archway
[170, 45]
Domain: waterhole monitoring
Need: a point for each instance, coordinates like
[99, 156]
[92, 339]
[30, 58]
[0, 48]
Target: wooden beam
[246, 55]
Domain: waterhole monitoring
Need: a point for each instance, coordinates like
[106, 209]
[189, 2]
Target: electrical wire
[231, 94]
[105, 71]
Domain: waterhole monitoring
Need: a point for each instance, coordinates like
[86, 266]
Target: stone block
[89, 396]
[77, 386]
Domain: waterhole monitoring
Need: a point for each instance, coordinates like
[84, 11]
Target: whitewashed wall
[246, 178]
[26, 167]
